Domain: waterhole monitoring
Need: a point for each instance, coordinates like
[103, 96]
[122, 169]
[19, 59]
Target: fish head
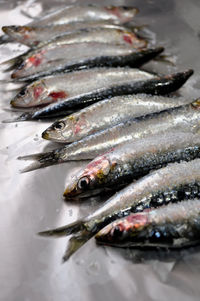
[19, 33]
[124, 229]
[90, 180]
[69, 129]
[33, 63]
[31, 95]
[123, 13]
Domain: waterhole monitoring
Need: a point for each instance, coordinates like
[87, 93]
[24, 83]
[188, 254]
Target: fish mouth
[45, 135]
[71, 193]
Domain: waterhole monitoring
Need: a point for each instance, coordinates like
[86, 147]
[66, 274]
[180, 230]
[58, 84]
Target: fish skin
[174, 226]
[73, 84]
[50, 60]
[105, 113]
[156, 86]
[73, 33]
[158, 188]
[132, 160]
[183, 118]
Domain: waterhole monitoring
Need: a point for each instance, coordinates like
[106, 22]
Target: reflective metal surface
[30, 266]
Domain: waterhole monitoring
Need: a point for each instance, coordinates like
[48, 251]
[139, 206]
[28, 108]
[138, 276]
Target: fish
[171, 184]
[39, 36]
[106, 113]
[52, 59]
[77, 13]
[155, 86]
[171, 226]
[76, 84]
[101, 35]
[132, 160]
[183, 118]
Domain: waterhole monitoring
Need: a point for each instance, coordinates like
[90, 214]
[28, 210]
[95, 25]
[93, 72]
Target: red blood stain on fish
[77, 129]
[133, 221]
[128, 38]
[37, 91]
[36, 59]
[96, 162]
[58, 95]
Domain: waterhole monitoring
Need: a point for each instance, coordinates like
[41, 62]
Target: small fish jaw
[45, 135]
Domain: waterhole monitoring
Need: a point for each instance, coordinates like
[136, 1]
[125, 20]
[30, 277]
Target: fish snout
[45, 135]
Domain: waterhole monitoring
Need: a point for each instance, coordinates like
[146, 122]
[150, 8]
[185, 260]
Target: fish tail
[22, 117]
[75, 243]
[5, 39]
[12, 63]
[64, 230]
[40, 160]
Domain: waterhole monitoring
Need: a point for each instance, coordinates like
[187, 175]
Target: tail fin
[75, 243]
[5, 39]
[41, 160]
[65, 230]
[23, 117]
[13, 63]
[16, 61]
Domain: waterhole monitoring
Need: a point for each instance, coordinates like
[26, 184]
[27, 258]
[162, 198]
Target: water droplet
[80, 261]
[70, 211]
[93, 268]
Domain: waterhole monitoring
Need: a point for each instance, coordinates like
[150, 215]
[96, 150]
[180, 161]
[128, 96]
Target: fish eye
[83, 183]
[22, 92]
[59, 125]
[116, 232]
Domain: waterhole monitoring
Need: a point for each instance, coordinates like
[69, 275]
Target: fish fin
[168, 60]
[40, 160]
[136, 28]
[27, 15]
[75, 243]
[64, 230]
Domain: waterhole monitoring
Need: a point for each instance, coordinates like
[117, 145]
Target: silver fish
[131, 160]
[73, 33]
[106, 113]
[101, 35]
[64, 86]
[52, 58]
[73, 13]
[159, 85]
[174, 226]
[183, 118]
[173, 183]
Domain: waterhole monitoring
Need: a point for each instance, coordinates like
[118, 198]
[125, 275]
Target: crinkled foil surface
[30, 266]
